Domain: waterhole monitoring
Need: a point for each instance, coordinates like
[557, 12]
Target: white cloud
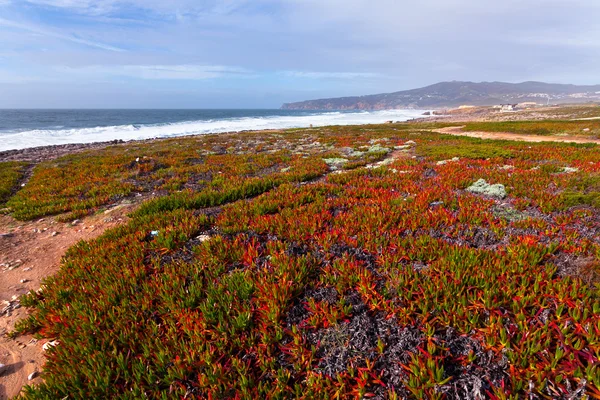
[68, 37]
[158, 72]
[329, 75]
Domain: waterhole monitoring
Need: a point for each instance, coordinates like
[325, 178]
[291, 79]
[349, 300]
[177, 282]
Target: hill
[456, 93]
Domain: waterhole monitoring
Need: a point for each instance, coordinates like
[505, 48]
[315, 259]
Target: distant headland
[457, 93]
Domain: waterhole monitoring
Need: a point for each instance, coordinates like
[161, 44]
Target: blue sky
[261, 53]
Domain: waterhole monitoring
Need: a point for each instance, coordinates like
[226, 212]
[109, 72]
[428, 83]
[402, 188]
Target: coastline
[476, 114]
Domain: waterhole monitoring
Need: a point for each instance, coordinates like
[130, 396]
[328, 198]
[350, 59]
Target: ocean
[21, 129]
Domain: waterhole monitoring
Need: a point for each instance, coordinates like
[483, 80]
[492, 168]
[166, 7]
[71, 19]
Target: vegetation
[10, 175]
[545, 127]
[305, 280]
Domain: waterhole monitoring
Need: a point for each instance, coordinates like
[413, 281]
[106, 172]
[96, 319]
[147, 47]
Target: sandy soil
[29, 252]
[458, 131]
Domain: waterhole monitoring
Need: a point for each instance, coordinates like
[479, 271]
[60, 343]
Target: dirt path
[30, 252]
[458, 131]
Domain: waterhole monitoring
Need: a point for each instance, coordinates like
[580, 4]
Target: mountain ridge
[456, 93]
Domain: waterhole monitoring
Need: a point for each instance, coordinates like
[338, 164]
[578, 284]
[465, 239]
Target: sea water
[21, 129]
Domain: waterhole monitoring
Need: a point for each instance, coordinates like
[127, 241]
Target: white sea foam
[34, 138]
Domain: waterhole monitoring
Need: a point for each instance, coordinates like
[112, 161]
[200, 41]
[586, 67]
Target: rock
[6, 235]
[32, 375]
[411, 143]
[436, 204]
[27, 269]
[75, 222]
[203, 238]
[482, 187]
[586, 129]
[154, 233]
[54, 233]
[50, 344]
[2, 366]
[507, 167]
[426, 113]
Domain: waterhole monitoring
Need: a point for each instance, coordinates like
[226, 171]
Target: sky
[262, 53]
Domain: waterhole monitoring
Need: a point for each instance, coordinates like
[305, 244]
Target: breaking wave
[52, 136]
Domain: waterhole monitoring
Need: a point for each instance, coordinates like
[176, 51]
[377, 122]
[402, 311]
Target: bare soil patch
[30, 252]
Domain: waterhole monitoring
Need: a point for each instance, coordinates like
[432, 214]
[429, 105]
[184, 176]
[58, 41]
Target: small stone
[569, 170]
[24, 280]
[75, 222]
[32, 375]
[47, 345]
[444, 162]
[203, 238]
[6, 235]
[27, 269]
[54, 233]
[411, 143]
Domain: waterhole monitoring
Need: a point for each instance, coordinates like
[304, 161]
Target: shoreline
[475, 114]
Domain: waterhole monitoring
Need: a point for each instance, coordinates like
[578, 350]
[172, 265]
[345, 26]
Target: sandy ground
[29, 252]
[458, 131]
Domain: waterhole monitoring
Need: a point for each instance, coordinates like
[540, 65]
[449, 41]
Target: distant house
[507, 107]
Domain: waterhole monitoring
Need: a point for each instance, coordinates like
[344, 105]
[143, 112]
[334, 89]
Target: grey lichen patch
[482, 187]
[356, 154]
[508, 213]
[335, 163]
[377, 148]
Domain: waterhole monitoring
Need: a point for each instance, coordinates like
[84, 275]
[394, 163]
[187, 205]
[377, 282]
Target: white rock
[32, 375]
[47, 345]
[203, 238]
